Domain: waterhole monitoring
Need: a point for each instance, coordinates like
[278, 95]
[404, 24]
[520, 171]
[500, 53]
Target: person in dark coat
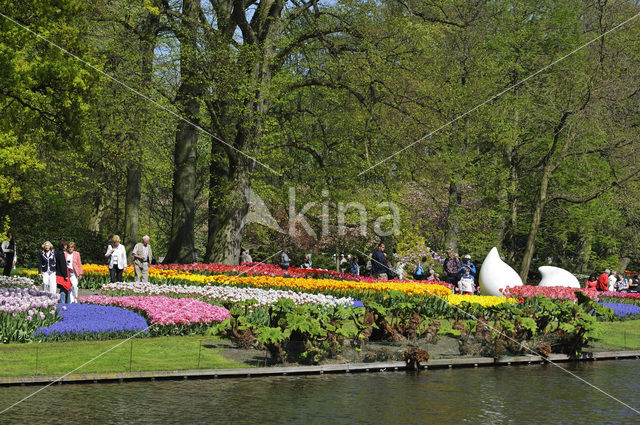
[9, 251]
[451, 267]
[61, 271]
[379, 263]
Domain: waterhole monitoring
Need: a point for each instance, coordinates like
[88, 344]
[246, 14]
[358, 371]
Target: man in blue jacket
[468, 264]
[379, 263]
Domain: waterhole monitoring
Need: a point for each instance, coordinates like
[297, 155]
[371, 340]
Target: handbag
[65, 283]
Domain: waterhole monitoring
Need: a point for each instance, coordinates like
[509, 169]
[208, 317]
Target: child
[466, 283]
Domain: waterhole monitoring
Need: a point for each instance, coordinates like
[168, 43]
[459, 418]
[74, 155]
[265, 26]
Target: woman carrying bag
[62, 273]
[74, 268]
[117, 257]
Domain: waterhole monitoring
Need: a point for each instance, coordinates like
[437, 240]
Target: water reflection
[507, 395]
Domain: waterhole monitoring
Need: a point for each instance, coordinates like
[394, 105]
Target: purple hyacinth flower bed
[357, 303]
[623, 310]
[89, 321]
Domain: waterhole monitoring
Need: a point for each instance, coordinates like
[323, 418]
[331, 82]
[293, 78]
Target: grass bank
[619, 335]
[162, 353]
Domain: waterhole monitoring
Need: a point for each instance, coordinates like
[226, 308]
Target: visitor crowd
[60, 269]
[614, 282]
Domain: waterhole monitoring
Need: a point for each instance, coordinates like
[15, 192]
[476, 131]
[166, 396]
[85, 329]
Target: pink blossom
[165, 310]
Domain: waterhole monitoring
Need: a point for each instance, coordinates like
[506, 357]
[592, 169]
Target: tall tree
[187, 101]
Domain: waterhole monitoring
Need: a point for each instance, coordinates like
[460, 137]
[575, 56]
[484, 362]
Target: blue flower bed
[622, 309]
[90, 321]
[357, 303]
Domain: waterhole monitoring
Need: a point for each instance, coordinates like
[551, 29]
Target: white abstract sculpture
[495, 274]
[555, 276]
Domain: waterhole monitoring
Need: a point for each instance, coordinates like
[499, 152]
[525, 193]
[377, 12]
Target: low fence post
[131, 355]
[37, 348]
[199, 351]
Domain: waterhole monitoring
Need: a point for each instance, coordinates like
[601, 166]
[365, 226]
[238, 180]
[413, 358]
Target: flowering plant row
[553, 292]
[249, 269]
[620, 297]
[171, 315]
[483, 300]
[226, 294]
[22, 310]
[331, 286]
[16, 282]
[163, 274]
[86, 321]
[621, 310]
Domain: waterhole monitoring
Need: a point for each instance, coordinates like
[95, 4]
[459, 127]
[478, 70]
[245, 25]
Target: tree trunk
[453, 212]
[535, 223]
[511, 251]
[132, 205]
[585, 252]
[181, 242]
[149, 31]
[97, 213]
[228, 208]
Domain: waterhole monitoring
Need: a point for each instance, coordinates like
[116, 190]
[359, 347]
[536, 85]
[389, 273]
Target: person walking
[379, 267]
[142, 257]
[117, 257]
[9, 251]
[451, 267]
[354, 267]
[285, 261]
[74, 267]
[47, 268]
[62, 272]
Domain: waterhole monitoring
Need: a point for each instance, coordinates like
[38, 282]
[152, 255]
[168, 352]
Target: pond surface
[541, 394]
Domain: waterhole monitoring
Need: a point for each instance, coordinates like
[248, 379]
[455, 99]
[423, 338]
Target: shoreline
[442, 363]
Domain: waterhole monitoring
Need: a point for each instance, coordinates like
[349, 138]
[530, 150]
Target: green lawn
[620, 335]
[162, 353]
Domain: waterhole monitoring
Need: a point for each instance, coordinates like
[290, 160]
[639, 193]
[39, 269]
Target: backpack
[419, 273]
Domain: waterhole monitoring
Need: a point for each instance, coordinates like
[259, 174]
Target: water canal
[540, 394]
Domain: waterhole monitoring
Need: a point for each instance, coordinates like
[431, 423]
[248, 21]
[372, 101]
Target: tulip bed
[201, 274]
[23, 310]
[562, 292]
[553, 292]
[16, 282]
[172, 316]
[225, 294]
[482, 300]
[304, 315]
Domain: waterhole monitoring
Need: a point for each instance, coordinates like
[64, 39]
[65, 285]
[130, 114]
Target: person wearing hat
[468, 264]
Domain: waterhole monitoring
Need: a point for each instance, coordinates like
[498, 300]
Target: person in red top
[603, 281]
[591, 283]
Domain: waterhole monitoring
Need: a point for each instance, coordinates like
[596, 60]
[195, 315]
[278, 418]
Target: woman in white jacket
[117, 257]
